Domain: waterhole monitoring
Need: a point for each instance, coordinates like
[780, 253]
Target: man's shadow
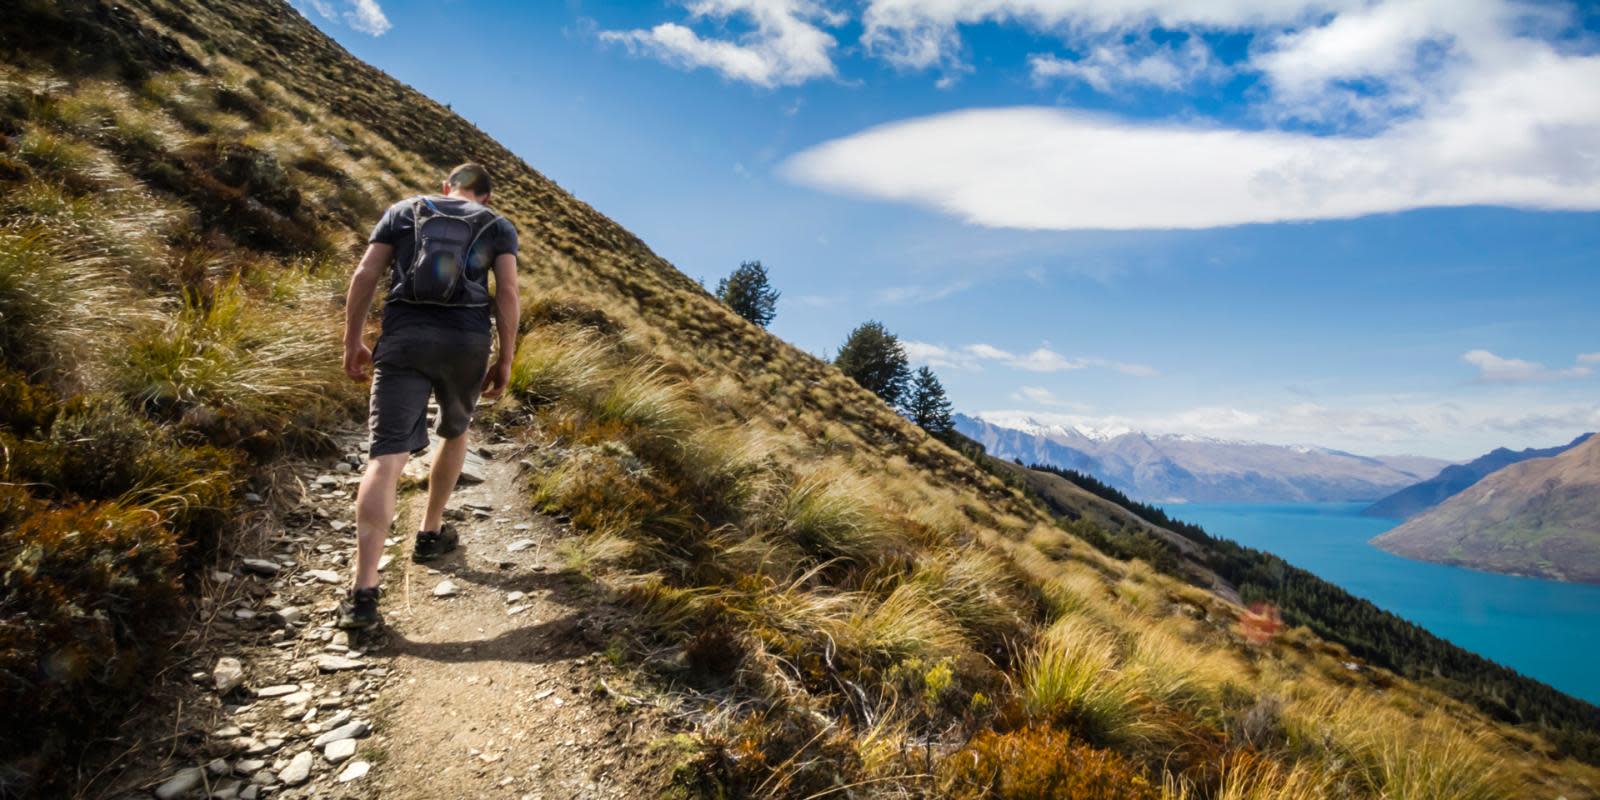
[568, 636]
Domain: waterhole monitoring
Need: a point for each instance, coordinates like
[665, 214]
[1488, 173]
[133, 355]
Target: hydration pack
[448, 267]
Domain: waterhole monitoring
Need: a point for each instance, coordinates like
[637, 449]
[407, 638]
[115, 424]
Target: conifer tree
[749, 294]
[874, 358]
[928, 406]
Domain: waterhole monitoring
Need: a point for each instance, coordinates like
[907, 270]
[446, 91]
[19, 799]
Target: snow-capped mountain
[1189, 468]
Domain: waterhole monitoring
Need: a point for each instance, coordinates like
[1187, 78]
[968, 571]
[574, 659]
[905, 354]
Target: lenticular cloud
[1527, 137]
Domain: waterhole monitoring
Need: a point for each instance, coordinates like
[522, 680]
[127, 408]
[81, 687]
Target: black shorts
[409, 365]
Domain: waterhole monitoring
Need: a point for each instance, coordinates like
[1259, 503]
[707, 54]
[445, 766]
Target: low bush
[86, 595]
[1039, 763]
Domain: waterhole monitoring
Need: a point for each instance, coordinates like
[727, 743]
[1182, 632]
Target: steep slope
[1190, 469]
[1454, 479]
[1538, 517]
[823, 600]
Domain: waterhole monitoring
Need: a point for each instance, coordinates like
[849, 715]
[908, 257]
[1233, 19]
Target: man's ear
[485, 199]
[445, 187]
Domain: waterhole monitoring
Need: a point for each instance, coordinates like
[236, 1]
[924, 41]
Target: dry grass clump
[235, 370]
[1071, 679]
[830, 514]
[556, 363]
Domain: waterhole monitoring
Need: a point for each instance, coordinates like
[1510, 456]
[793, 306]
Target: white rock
[335, 663]
[512, 597]
[298, 771]
[356, 770]
[446, 588]
[217, 767]
[260, 566]
[227, 674]
[340, 750]
[278, 691]
[349, 730]
[520, 545]
[325, 575]
[329, 481]
[181, 783]
[339, 719]
[522, 526]
[296, 698]
[383, 562]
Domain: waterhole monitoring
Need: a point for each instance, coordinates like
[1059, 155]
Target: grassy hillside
[1538, 517]
[836, 604]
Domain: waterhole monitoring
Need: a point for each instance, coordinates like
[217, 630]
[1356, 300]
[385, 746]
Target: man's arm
[357, 304]
[507, 307]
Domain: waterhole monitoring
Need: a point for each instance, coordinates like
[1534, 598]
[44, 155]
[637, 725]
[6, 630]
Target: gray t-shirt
[397, 229]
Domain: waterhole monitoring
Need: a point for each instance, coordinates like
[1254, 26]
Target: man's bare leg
[374, 513]
[442, 480]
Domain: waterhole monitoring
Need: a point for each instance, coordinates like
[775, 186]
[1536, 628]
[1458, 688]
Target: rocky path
[488, 681]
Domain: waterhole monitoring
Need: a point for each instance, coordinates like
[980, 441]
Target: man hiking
[438, 251]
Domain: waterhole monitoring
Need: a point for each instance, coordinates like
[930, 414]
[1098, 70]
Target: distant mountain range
[1452, 480]
[1180, 468]
[1536, 517]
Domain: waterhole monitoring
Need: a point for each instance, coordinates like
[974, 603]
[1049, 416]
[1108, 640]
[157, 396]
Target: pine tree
[874, 358]
[928, 406]
[748, 293]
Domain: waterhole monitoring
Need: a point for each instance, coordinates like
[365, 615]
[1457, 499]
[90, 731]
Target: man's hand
[357, 357]
[495, 381]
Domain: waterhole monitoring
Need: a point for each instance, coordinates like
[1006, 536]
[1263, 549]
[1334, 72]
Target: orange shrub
[1039, 763]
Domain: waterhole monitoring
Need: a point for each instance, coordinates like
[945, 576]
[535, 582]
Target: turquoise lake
[1544, 629]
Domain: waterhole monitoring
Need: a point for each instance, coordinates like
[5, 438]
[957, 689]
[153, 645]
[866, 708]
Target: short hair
[472, 177]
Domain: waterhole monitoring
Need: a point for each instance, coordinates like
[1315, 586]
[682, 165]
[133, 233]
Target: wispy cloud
[1495, 369]
[916, 294]
[786, 44]
[1041, 359]
[1113, 66]
[365, 16]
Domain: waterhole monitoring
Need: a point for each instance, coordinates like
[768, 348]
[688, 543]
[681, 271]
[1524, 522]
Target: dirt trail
[500, 688]
[496, 688]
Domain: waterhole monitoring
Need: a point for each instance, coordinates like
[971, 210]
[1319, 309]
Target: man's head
[469, 181]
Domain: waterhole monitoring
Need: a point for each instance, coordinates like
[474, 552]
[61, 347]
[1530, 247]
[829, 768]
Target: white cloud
[1589, 358]
[786, 46]
[917, 294]
[1109, 67]
[1041, 359]
[1423, 103]
[918, 34]
[1495, 369]
[365, 16]
[1039, 396]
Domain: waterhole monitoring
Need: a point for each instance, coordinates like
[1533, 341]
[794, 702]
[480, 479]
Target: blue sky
[1364, 225]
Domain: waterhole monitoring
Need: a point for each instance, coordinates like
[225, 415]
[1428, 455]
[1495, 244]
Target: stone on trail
[512, 597]
[446, 588]
[356, 770]
[227, 674]
[333, 663]
[298, 770]
[383, 562]
[181, 783]
[520, 545]
[260, 566]
[325, 575]
[349, 730]
[278, 691]
[339, 750]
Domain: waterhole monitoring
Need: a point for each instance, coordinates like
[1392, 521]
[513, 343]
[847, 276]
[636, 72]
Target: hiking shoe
[359, 610]
[432, 544]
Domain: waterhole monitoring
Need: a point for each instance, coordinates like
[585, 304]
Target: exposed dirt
[501, 691]
[484, 693]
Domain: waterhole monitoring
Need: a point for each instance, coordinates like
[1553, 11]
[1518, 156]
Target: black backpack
[446, 268]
